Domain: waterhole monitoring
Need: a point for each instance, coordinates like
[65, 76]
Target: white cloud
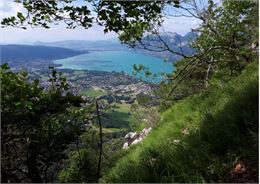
[5, 7]
[10, 8]
[181, 25]
[56, 33]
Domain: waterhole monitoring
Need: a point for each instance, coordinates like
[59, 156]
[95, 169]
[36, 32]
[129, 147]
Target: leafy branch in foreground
[223, 48]
[37, 126]
[117, 16]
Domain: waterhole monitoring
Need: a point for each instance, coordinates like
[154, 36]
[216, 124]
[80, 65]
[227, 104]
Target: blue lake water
[115, 61]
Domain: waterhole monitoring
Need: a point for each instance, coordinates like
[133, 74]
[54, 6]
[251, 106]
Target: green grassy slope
[93, 93]
[118, 117]
[200, 139]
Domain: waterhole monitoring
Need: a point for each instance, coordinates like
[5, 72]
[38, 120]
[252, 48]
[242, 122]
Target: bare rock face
[134, 137]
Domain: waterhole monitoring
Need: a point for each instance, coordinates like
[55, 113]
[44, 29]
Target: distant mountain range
[21, 53]
[68, 48]
[172, 39]
[110, 44]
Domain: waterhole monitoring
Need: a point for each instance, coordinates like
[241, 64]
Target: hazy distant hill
[111, 44]
[19, 53]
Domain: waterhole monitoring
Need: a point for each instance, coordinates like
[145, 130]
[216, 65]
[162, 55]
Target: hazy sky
[181, 25]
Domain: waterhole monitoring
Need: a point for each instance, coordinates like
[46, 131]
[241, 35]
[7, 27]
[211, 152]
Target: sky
[180, 25]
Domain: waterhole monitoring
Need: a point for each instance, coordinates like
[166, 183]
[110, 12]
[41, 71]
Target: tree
[81, 166]
[227, 33]
[37, 126]
[223, 48]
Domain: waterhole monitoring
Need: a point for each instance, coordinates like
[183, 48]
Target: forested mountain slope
[208, 137]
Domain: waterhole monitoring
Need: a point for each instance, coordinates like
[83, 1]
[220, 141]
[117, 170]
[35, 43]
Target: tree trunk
[207, 76]
[101, 142]
[3, 176]
[33, 171]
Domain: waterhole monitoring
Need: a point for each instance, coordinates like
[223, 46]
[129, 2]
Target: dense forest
[208, 108]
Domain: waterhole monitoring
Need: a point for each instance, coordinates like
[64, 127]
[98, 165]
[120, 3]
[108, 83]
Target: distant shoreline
[117, 61]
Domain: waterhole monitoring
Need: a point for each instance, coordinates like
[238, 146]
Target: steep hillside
[174, 41]
[209, 137]
[19, 53]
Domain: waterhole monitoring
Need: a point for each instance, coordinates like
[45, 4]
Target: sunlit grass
[93, 92]
[198, 139]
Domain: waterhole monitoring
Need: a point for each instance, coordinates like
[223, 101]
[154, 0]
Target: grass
[222, 126]
[93, 92]
[118, 117]
[123, 107]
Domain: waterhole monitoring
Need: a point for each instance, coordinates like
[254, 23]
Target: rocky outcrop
[134, 137]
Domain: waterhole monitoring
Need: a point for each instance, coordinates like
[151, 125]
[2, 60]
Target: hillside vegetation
[208, 137]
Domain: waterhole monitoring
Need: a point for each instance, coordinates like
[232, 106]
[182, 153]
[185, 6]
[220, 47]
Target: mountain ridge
[32, 52]
[171, 38]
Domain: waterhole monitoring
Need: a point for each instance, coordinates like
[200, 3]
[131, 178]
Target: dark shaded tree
[37, 126]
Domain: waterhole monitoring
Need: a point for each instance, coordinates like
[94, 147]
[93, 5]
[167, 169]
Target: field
[93, 92]
[118, 117]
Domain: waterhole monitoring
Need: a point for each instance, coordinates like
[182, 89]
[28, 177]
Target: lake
[115, 61]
